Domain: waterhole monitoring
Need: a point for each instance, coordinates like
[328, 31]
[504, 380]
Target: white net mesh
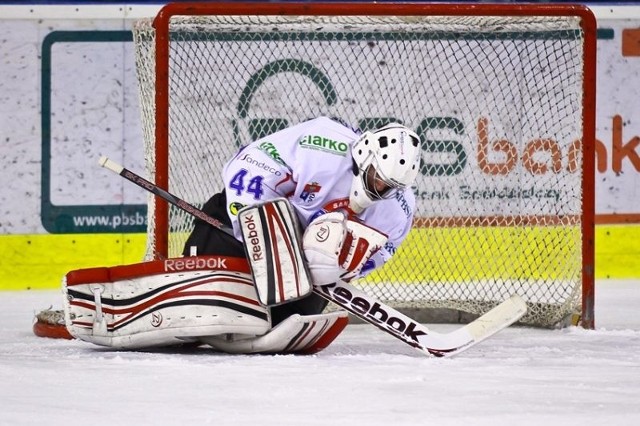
[497, 101]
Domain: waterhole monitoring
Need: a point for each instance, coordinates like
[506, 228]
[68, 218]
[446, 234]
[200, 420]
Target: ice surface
[521, 376]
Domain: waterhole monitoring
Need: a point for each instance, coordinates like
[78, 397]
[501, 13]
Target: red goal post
[504, 97]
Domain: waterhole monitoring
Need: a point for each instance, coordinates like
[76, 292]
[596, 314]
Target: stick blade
[502, 316]
[498, 318]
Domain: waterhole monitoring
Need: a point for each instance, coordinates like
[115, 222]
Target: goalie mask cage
[502, 96]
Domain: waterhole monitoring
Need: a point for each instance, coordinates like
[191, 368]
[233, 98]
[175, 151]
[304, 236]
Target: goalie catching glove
[337, 248]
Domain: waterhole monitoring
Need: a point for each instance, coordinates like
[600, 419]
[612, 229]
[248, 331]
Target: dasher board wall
[68, 94]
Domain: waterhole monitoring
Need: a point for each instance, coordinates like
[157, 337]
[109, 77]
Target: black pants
[210, 240]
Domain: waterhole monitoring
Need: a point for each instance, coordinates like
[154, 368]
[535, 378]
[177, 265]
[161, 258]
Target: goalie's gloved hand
[322, 242]
[360, 243]
[337, 248]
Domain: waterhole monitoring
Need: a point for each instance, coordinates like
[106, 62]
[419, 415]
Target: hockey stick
[366, 307]
[156, 190]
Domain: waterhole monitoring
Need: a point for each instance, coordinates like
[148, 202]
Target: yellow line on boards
[40, 261]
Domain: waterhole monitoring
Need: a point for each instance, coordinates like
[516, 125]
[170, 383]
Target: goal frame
[587, 23]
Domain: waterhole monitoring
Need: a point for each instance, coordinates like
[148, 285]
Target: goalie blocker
[335, 248]
[272, 245]
[203, 299]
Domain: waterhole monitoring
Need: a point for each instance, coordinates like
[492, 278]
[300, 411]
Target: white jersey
[310, 164]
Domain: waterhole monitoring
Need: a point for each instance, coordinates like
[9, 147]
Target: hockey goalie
[309, 205]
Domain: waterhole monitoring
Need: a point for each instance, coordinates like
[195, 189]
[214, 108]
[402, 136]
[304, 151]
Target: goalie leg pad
[274, 249]
[298, 334]
[127, 307]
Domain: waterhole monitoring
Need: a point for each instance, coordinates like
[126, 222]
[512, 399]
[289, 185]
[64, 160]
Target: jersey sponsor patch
[332, 206]
[247, 158]
[324, 144]
[270, 149]
[390, 247]
[403, 204]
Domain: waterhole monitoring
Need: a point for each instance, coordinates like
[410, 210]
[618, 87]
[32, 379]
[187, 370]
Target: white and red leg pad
[163, 303]
[273, 246]
[298, 334]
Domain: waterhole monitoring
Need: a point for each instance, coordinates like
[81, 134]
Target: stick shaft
[170, 198]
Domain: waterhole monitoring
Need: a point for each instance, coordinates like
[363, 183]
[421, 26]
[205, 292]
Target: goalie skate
[50, 323]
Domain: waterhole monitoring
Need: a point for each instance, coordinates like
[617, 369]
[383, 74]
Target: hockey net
[499, 94]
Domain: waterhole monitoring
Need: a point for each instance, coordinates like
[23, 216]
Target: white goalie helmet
[387, 158]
